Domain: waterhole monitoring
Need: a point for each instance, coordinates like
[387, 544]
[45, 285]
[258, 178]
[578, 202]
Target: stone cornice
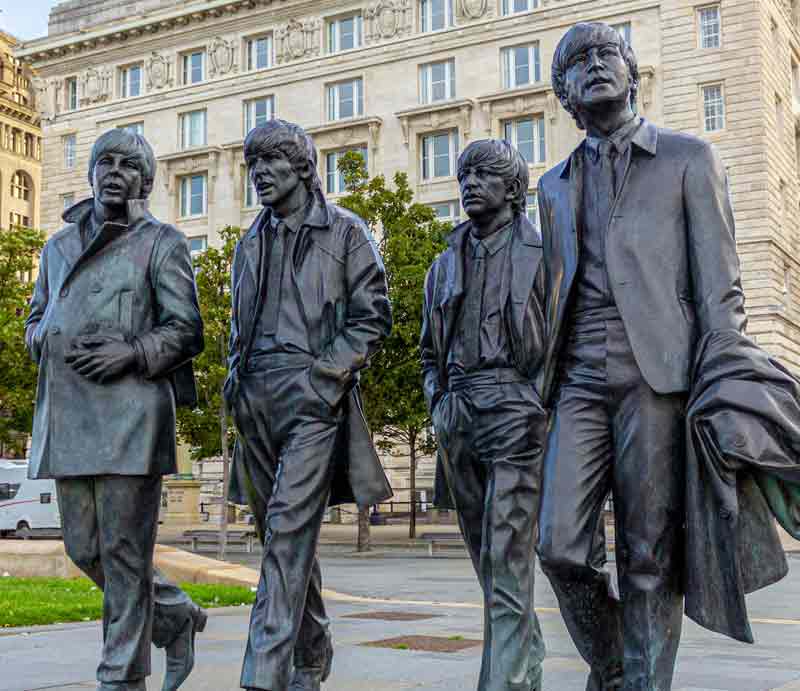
[195, 152]
[436, 114]
[18, 111]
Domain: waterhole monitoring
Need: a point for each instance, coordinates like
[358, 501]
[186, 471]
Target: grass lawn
[32, 601]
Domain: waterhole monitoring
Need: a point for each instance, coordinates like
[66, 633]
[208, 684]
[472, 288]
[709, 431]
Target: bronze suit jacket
[136, 280]
[340, 276]
[670, 253]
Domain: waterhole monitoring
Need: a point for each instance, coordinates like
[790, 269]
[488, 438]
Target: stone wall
[75, 15]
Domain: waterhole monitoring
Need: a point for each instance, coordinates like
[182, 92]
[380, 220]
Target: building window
[71, 88]
[193, 129]
[527, 135]
[257, 112]
[193, 195]
[20, 186]
[250, 196]
[16, 220]
[532, 208]
[624, 30]
[345, 99]
[710, 27]
[67, 201]
[439, 155]
[259, 53]
[514, 6]
[69, 150]
[447, 211]
[436, 15]
[345, 33]
[437, 81]
[333, 176]
[130, 81]
[713, 108]
[197, 245]
[194, 67]
[521, 65]
[134, 128]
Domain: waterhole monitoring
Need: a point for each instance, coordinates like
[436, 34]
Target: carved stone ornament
[44, 93]
[297, 40]
[474, 9]
[96, 85]
[387, 19]
[159, 72]
[223, 58]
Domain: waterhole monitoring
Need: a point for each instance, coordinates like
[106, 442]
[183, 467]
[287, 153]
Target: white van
[26, 506]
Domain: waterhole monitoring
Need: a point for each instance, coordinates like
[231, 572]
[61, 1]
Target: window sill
[191, 219]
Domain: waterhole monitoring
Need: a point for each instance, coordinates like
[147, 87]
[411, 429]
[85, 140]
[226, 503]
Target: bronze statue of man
[114, 324]
[641, 263]
[310, 308]
[481, 348]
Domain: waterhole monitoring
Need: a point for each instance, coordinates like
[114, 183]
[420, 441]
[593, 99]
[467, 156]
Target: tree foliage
[409, 238]
[200, 427]
[19, 251]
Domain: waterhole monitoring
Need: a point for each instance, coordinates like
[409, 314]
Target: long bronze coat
[341, 284]
[136, 280]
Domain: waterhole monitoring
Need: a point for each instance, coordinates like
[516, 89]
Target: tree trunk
[223, 429]
[412, 484]
[363, 544]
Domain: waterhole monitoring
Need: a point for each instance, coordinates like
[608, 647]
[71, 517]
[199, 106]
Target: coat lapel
[525, 256]
[450, 289]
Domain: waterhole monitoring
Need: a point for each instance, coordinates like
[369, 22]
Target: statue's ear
[147, 188]
[512, 189]
[305, 171]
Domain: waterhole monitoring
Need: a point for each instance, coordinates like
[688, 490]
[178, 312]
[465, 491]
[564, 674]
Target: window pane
[196, 68]
[522, 71]
[441, 155]
[532, 208]
[525, 142]
[197, 192]
[438, 81]
[135, 80]
[709, 27]
[347, 34]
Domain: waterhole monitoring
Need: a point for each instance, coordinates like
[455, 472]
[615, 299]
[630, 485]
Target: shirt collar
[621, 138]
[494, 242]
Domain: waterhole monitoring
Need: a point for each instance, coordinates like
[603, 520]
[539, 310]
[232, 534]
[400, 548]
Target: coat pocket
[126, 312]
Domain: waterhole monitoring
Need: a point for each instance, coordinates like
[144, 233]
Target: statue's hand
[101, 357]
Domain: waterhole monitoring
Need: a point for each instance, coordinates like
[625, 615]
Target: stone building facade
[410, 82]
[20, 141]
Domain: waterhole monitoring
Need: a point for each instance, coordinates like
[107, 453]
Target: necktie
[606, 160]
[472, 314]
[274, 279]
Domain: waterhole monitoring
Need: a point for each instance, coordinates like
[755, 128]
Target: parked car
[27, 507]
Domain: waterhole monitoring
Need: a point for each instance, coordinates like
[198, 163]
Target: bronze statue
[114, 324]
[310, 308]
[481, 347]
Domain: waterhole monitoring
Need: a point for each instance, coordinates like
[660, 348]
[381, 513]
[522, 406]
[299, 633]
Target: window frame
[125, 82]
[71, 94]
[335, 174]
[704, 116]
[250, 121]
[536, 221]
[185, 201]
[187, 69]
[625, 29]
[333, 101]
[700, 27]
[69, 144]
[507, 7]
[426, 81]
[508, 56]
[185, 129]
[426, 15]
[539, 141]
[250, 45]
[133, 127]
[21, 187]
[428, 154]
[333, 34]
[454, 207]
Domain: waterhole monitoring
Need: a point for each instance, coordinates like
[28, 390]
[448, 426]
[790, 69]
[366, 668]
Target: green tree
[19, 251]
[409, 238]
[207, 427]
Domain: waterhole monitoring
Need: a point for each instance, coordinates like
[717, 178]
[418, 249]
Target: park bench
[237, 537]
[438, 541]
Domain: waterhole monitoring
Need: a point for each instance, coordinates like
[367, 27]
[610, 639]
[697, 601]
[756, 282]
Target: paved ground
[63, 658]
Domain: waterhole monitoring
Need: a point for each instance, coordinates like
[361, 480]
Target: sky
[25, 19]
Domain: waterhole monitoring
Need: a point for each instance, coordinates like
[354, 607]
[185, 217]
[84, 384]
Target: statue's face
[274, 177]
[598, 77]
[116, 178]
[483, 193]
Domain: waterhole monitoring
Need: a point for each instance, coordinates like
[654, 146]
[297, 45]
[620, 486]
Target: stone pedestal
[180, 501]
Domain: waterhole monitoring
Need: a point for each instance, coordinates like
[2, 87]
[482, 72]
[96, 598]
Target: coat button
[739, 440]
[725, 514]
[64, 292]
[96, 288]
[55, 330]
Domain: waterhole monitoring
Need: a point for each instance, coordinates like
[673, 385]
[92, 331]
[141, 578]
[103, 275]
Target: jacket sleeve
[431, 382]
[234, 342]
[367, 323]
[39, 300]
[178, 334]
[714, 264]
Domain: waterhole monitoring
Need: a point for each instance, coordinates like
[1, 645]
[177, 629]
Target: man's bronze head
[280, 155]
[491, 174]
[594, 68]
[122, 167]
